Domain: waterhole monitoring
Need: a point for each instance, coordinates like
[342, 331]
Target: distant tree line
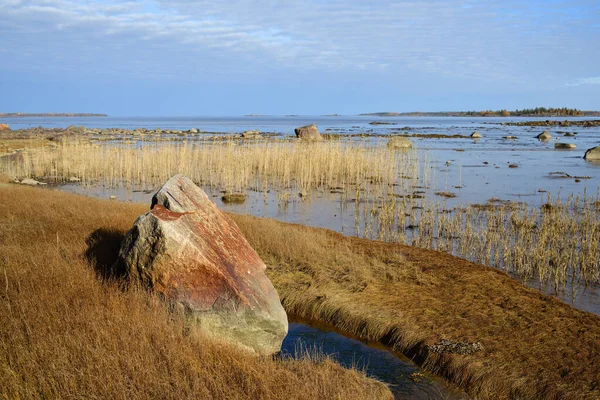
[538, 111]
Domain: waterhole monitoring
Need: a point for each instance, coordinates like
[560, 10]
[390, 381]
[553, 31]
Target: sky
[194, 58]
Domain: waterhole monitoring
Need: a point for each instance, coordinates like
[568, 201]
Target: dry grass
[65, 334]
[231, 165]
[409, 298]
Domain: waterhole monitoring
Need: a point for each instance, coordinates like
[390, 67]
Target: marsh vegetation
[386, 190]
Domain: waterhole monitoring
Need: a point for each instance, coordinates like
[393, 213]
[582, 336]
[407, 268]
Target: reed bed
[557, 244]
[231, 165]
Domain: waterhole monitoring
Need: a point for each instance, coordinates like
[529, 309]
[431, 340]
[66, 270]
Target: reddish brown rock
[196, 257]
[308, 132]
[4, 128]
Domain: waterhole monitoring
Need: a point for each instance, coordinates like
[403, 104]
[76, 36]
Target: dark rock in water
[235, 198]
[449, 346]
[544, 136]
[593, 154]
[308, 132]
[197, 259]
[569, 134]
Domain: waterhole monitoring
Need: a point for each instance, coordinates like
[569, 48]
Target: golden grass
[232, 165]
[405, 297]
[410, 298]
[65, 334]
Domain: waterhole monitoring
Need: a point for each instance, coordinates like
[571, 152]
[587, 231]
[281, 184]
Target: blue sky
[297, 56]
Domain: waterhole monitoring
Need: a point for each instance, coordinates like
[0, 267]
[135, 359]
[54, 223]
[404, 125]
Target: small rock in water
[308, 132]
[544, 136]
[476, 135]
[193, 130]
[235, 198]
[510, 137]
[564, 146]
[593, 154]
[513, 166]
[113, 197]
[568, 134]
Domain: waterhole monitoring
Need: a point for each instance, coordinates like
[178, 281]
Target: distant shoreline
[476, 114]
[18, 115]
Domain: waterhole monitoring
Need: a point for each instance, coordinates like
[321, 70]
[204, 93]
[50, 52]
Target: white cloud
[585, 81]
[511, 41]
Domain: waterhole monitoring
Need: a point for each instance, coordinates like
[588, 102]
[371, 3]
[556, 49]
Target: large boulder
[197, 259]
[399, 142]
[309, 132]
[593, 154]
[4, 128]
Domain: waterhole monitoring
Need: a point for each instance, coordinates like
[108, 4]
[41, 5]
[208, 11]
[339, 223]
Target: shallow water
[404, 378]
[475, 170]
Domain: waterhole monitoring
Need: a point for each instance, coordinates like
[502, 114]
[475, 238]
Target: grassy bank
[534, 346]
[408, 298]
[65, 334]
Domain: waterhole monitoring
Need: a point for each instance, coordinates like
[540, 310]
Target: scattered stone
[252, 134]
[195, 257]
[513, 166]
[76, 129]
[449, 346]
[564, 146]
[308, 132]
[510, 137]
[399, 142]
[74, 179]
[476, 135]
[4, 128]
[449, 195]
[234, 198]
[544, 136]
[569, 134]
[31, 182]
[593, 154]
[381, 123]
